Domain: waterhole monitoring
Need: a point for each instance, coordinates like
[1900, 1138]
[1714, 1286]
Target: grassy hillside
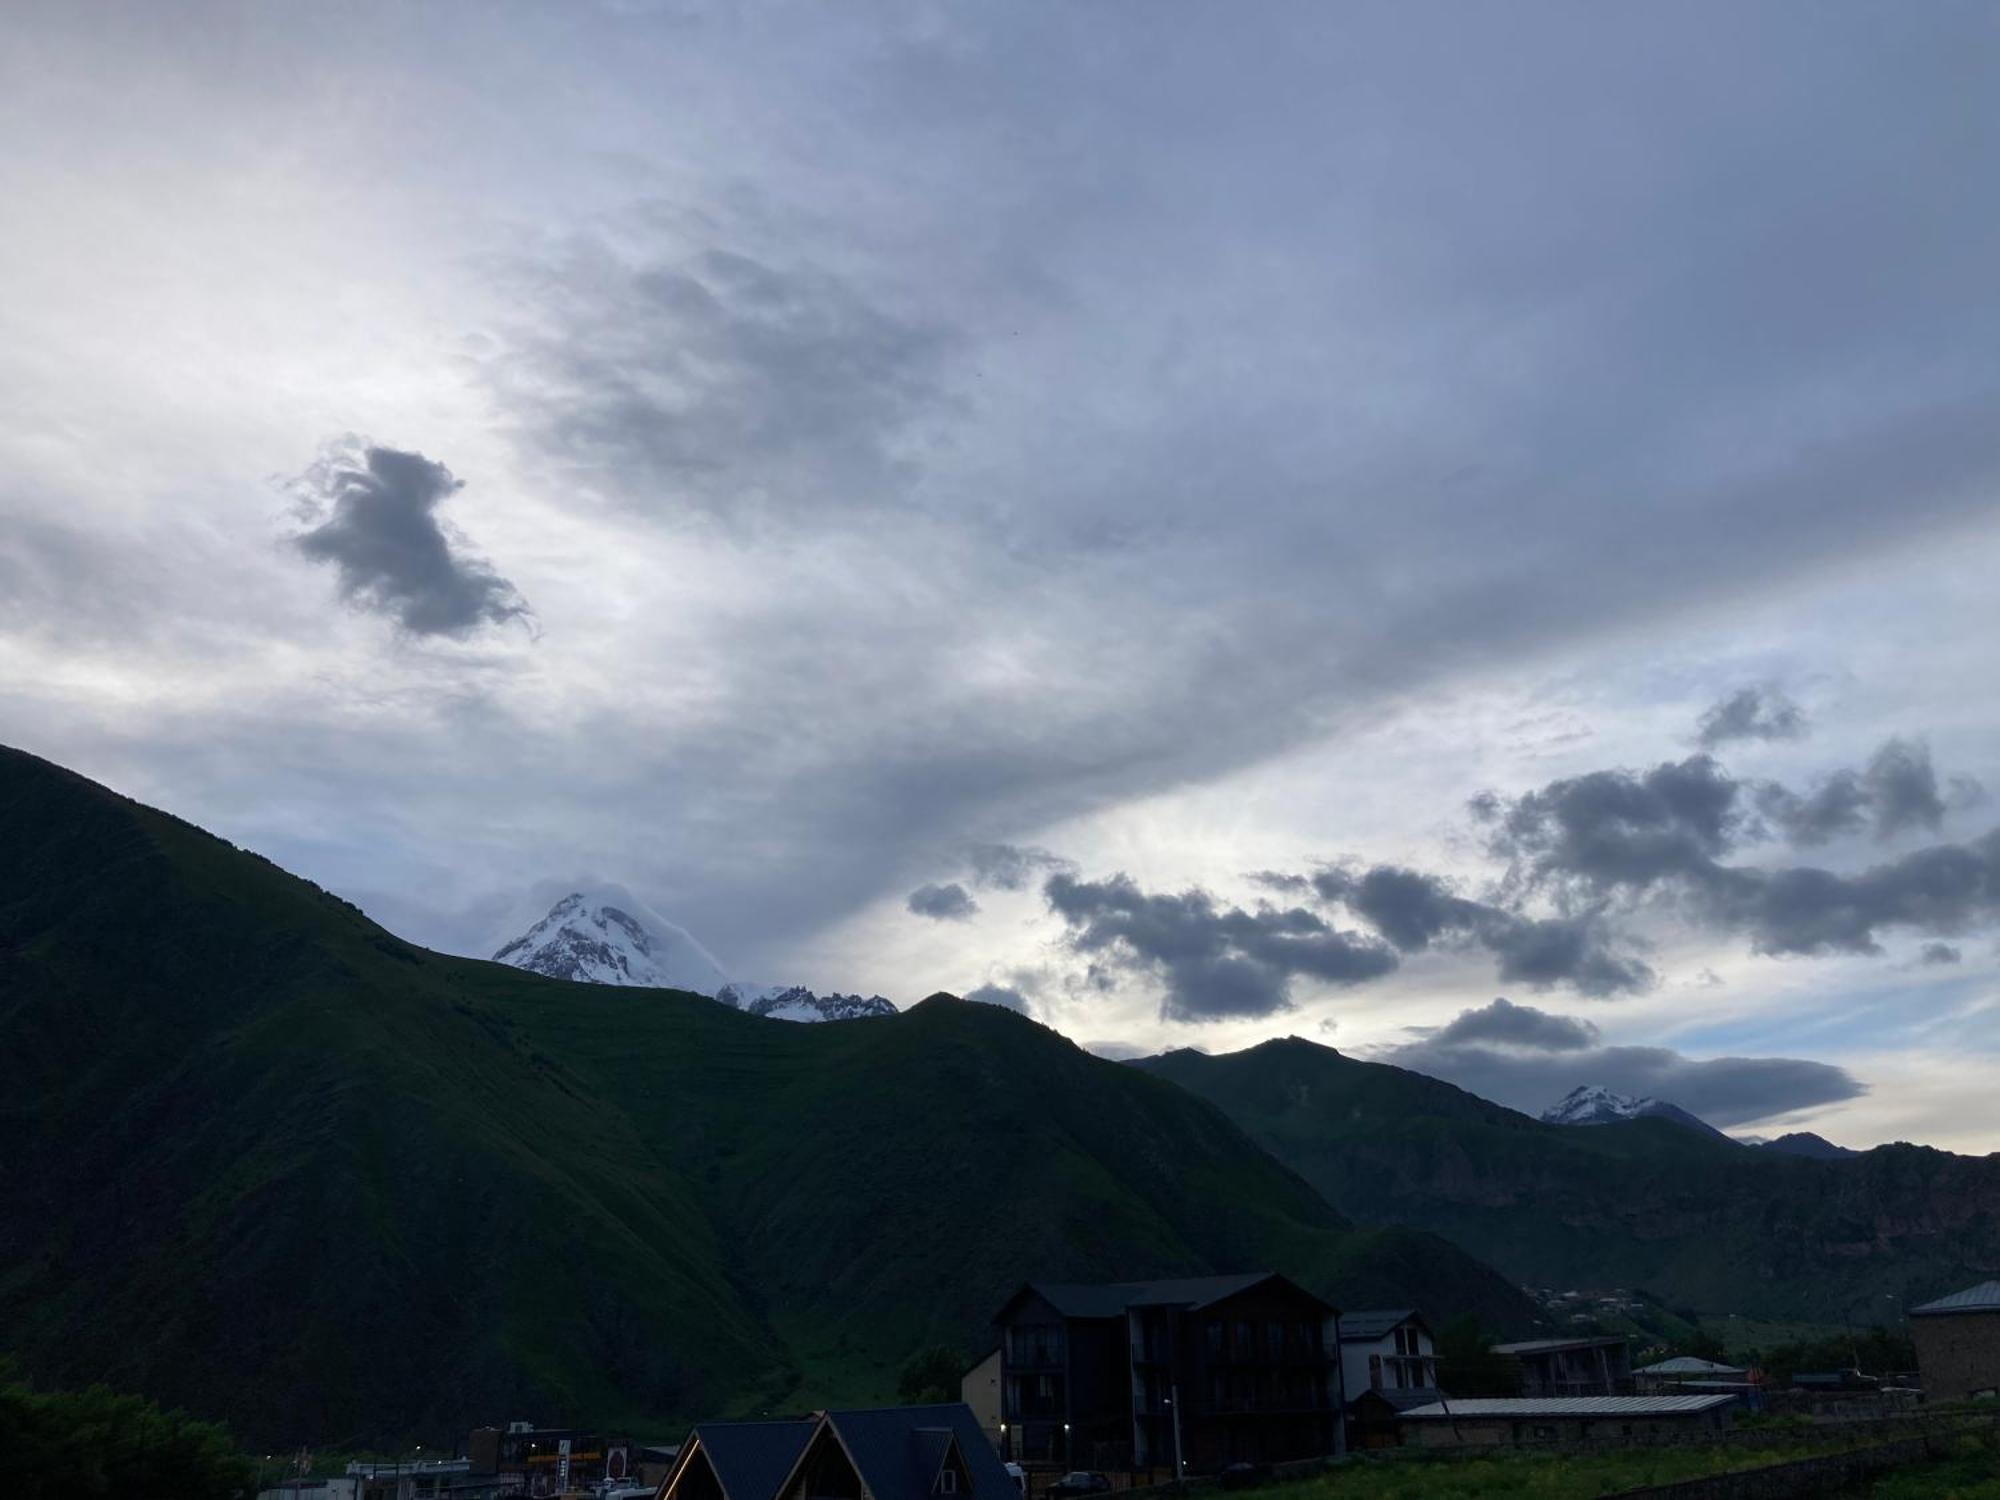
[268, 1162]
[1699, 1221]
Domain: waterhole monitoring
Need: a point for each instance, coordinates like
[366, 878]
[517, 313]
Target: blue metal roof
[1982, 1298]
[899, 1450]
[751, 1459]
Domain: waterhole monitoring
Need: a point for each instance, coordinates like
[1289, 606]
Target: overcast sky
[1201, 522]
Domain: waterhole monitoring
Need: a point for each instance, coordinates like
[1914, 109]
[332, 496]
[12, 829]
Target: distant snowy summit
[605, 936]
[1594, 1104]
[794, 1002]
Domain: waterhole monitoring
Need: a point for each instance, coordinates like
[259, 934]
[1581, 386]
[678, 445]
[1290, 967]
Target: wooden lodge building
[1551, 1368]
[1090, 1373]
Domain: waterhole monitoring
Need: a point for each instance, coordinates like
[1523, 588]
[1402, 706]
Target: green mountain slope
[1696, 1220]
[269, 1162]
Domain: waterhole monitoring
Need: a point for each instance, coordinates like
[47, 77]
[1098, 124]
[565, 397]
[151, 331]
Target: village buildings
[1571, 1367]
[1529, 1421]
[1386, 1350]
[1204, 1371]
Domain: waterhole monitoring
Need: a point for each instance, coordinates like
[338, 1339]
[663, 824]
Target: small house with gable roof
[1958, 1344]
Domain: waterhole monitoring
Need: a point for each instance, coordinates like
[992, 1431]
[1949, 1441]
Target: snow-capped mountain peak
[1594, 1104]
[794, 1002]
[604, 936]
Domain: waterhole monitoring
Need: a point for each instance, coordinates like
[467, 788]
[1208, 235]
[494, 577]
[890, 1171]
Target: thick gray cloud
[1413, 910]
[1610, 830]
[1213, 961]
[1945, 889]
[1584, 849]
[374, 514]
[1506, 1024]
[1230, 382]
[1895, 792]
[1149, 476]
[1012, 867]
[946, 903]
[1752, 713]
[1528, 1059]
[699, 375]
[1622, 835]
[1939, 953]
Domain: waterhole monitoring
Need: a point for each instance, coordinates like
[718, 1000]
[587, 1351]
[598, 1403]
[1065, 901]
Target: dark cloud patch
[1945, 889]
[1897, 791]
[704, 376]
[1836, 806]
[944, 903]
[1623, 836]
[1903, 789]
[1414, 910]
[1939, 953]
[1527, 1059]
[1278, 880]
[1505, 1024]
[1002, 995]
[1578, 951]
[1752, 713]
[1012, 867]
[1407, 907]
[1214, 961]
[1609, 830]
[375, 518]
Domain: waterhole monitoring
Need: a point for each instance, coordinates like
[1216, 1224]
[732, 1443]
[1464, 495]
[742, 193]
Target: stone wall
[1958, 1354]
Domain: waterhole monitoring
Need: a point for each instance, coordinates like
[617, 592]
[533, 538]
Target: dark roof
[1375, 1322]
[1982, 1298]
[1402, 1400]
[1550, 1346]
[751, 1459]
[899, 1450]
[1111, 1299]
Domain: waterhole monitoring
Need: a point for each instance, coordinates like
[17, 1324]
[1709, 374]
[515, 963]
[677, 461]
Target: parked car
[1078, 1482]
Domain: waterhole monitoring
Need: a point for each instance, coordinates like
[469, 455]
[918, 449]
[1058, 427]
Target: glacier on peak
[1594, 1104]
[602, 934]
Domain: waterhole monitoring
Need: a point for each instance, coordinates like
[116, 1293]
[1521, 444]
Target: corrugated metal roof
[1570, 1406]
[1982, 1298]
[1374, 1322]
[1687, 1364]
[1549, 1346]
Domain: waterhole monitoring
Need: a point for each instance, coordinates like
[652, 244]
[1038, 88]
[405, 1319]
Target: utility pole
[1180, 1465]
